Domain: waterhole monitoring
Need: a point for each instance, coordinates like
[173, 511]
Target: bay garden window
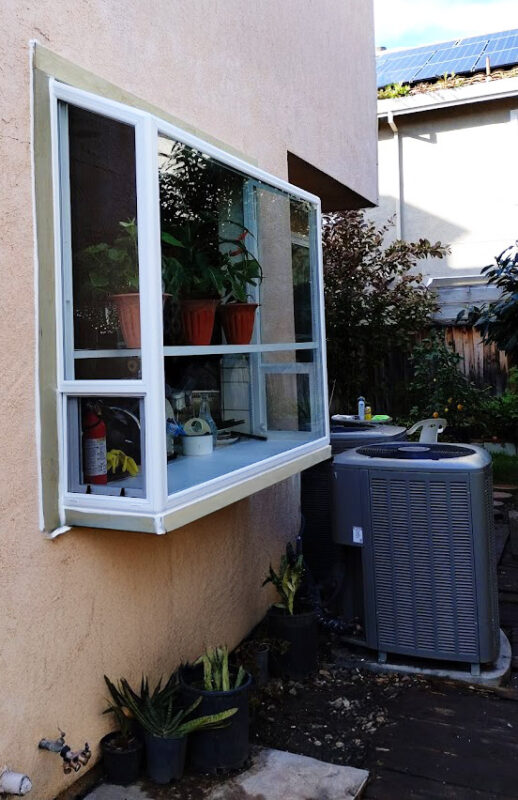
[190, 320]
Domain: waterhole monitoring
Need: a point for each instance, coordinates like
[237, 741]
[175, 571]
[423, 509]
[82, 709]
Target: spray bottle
[361, 408]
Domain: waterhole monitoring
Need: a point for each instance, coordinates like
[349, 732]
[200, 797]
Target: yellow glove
[117, 458]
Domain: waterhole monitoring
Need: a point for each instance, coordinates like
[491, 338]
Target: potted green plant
[166, 725]
[112, 272]
[218, 687]
[121, 749]
[242, 271]
[193, 269]
[290, 621]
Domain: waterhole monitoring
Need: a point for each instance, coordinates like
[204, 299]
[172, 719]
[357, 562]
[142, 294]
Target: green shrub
[440, 388]
[505, 468]
[501, 413]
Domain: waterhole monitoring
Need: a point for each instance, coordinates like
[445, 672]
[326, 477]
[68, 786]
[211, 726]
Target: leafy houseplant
[213, 683]
[112, 272]
[288, 621]
[198, 272]
[192, 271]
[122, 749]
[242, 271]
[166, 725]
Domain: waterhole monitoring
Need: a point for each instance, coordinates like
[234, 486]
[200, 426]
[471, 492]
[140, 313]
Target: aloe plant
[117, 707]
[216, 673]
[287, 581]
[159, 713]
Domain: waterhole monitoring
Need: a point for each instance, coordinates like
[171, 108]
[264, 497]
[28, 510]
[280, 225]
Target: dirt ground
[419, 738]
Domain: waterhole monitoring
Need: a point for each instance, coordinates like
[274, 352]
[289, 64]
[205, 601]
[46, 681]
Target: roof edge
[443, 98]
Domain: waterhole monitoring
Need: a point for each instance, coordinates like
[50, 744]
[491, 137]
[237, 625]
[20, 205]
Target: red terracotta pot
[198, 320]
[238, 322]
[128, 311]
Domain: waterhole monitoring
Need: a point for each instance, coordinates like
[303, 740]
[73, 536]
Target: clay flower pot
[128, 311]
[198, 320]
[238, 321]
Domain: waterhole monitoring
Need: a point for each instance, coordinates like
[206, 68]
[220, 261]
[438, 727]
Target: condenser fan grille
[410, 451]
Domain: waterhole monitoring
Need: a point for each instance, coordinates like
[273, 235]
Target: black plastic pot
[122, 765]
[262, 670]
[165, 757]
[300, 633]
[217, 750]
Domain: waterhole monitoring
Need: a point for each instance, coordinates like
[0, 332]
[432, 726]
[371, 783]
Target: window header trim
[132, 116]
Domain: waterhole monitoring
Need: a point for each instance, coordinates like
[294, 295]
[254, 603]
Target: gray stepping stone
[108, 791]
[277, 775]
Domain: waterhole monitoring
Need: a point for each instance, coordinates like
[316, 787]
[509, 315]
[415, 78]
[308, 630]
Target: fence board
[483, 363]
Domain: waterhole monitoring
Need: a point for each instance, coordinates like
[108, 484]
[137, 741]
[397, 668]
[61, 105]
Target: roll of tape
[196, 426]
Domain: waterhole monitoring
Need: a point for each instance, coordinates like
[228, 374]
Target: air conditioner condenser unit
[423, 517]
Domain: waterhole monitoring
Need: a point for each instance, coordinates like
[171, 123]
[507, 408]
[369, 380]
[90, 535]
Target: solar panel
[461, 56]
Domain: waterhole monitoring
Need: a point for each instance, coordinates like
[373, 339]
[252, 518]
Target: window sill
[192, 509]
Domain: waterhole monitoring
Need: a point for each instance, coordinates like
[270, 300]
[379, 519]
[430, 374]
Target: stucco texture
[265, 77]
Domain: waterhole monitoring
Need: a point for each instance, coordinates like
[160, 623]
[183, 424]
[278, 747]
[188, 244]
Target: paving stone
[502, 496]
[278, 775]
[108, 791]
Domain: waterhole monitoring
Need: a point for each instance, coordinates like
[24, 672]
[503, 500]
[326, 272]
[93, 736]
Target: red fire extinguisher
[94, 447]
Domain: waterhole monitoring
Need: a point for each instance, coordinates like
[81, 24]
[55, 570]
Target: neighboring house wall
[449, 173]
[262, 79]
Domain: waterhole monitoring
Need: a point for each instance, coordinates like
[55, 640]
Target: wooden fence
[482, 363]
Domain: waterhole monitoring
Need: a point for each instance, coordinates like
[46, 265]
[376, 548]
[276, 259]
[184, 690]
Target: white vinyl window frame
[158, 511]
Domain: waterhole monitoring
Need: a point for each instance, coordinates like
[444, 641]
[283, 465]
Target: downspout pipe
[399, 177]
[14, 782]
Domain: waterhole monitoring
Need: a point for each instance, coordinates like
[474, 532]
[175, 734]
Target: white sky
[404, 23]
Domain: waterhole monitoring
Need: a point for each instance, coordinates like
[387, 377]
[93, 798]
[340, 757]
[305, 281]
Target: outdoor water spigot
[75, 759]
[53, 745]
[72, 759]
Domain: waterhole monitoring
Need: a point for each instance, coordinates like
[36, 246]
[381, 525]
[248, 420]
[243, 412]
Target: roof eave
[445, 98]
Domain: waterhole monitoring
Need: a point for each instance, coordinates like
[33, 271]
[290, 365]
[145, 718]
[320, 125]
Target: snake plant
[216, 673]
[287, 581]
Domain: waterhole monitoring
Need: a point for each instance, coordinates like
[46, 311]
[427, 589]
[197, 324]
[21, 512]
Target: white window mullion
[150, 282]
[67, 308]
[320, 401]
[257, 385]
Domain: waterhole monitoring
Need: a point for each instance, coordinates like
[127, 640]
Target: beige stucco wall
[263, 78]
[457, 181]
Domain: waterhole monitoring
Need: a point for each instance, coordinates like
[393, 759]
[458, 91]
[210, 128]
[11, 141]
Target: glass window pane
[102, 293]
[286, 236]
[106, 446]
[206, 249]
[230, 411]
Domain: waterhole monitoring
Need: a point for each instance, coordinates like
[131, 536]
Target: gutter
[446, 98]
